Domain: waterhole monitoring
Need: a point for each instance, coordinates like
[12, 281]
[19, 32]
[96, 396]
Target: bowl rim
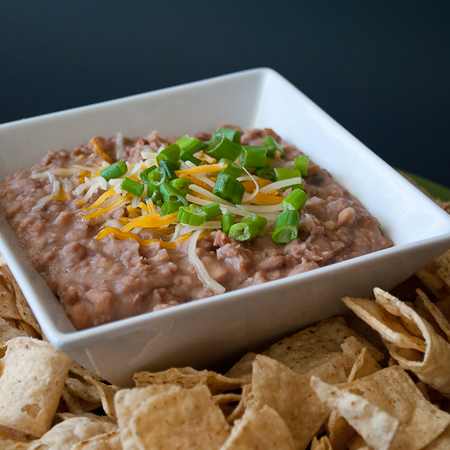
[75, 338]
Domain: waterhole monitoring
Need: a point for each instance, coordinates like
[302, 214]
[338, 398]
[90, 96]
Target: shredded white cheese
[203, 275]
[120, 148]
[281, 184]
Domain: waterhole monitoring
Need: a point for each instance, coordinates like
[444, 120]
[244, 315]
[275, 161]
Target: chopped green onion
[115, 170]
[227, 222]
[295, 200]
[152, 175]
[133, 187]
[167, 169]
[229, 133]
[225, 149]
[231, 168]
[212, 210]
[266, 172]
[286, 227]
[156, 198]
[188, 146]
[170, 153]
[228, 188]
[255, 157]
[248, 229]
[272, 146]
[181, 184]
[170, 207]
[171, 194]
[284, 173]
[302, 164]
[191, 215]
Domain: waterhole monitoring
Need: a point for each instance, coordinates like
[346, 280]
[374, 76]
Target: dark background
[380, 68]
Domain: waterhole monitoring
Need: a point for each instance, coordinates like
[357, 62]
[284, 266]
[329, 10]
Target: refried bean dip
[122, 226]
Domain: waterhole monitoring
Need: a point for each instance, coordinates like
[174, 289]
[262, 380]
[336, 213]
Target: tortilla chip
[311, 347]
[387, 325]
[339, 431]
[239, 411]
[393, 391]
[290, 395]
[377, 427]
[334, 369]
[443, 267]
[431, 281]
[107, 441]
[7, 331]
[358, 444]
[188, 377]
[83, 391]
[7, 444]
[106, 393]
[432, 366]
[187, 419]
[8, 308]
[31, 385]
[435, 313]
[364, 365]
[76, 405]
[260, 430]
[441, 443]
[72, 431]
[243, 368]
[352, 347]
[127, 401]
[321, 444]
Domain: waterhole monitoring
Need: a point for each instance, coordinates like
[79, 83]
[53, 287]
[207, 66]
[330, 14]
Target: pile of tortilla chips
[378, 379]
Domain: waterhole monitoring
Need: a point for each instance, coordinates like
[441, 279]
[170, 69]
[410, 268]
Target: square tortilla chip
[66, 434]
[311, 347]
[188, 377]
[393, 391]
[31, 385]
[187, 419]
[127, 401]
[443, 267]
[290, 395]
[261, 429]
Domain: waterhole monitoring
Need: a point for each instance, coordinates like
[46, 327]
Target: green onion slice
[225, 149]
[188, 146]
[115, 170]
[254, 157]
[231, 168]
[272, 146]
[227, 222]
[286, 227]
[212, 210]
[170, 153]
[171, 194]
[302, 165]
[133, 187]
[229, 133]
[191, 215]
[284, 173]
[170, 207]
[295, 200]
[249, 228]
[228, 188]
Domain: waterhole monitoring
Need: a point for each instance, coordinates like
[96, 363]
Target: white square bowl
[206, 331]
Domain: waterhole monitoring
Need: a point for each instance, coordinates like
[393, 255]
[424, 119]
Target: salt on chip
[431, 366]
[72, 431]
[186, 419]
[376, 426]
[127, 401]
[107, 441]
[388, 326]
[188, 377]
[261, 429]
[31, 385]
[290, 395]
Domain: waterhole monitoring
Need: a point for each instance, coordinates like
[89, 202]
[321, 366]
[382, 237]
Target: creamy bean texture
[99, 281]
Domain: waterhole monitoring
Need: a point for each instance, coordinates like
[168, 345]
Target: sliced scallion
[225, 149]
[115, 170]
[302, 165]
[254, 157]
[283, 173]
[228, 188]
[295, 200]
[286, 227]
[133, 187]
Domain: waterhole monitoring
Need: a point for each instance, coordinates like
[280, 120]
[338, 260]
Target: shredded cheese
[281, 184]
[120, 148]
[153, 221]
[202, 273]
[117, 203]
[249, 197]
[198, 170]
